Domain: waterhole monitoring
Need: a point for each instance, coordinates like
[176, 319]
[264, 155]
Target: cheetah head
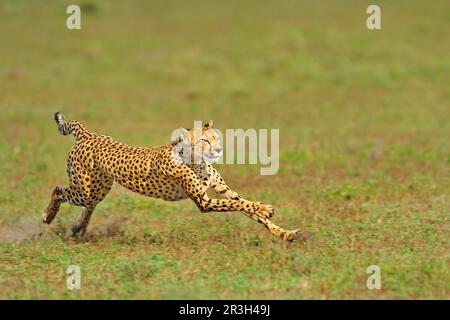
[196, 145]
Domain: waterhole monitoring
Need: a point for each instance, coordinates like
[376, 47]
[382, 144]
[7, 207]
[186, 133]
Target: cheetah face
[197, 145]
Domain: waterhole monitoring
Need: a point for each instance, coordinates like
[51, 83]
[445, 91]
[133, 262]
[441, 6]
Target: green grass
[364, 133]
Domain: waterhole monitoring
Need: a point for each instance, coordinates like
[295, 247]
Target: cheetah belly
[151, 184]
[132, 169]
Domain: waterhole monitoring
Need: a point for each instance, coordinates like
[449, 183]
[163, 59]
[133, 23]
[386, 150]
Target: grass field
[364, 119]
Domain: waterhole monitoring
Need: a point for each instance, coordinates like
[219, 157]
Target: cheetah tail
[63, 126]
[70, 127]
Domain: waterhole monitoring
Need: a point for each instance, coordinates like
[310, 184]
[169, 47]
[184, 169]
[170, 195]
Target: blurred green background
[364, 143]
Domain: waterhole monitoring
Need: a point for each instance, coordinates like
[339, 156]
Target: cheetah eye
[207, 142]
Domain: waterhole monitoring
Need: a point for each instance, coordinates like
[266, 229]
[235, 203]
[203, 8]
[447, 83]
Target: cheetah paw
[296, 235]
[48, 217]
[265, 210]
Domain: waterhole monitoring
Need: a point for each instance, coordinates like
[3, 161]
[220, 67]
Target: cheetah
[179, 170]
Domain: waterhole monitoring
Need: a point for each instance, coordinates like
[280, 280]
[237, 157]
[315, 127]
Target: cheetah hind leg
[79, 227]
[53, 206]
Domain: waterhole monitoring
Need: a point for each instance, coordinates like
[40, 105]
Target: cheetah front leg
[196, 189]
[217, 183]
[254, 210]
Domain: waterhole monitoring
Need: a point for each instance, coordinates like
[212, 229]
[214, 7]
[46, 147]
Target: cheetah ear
[178, 135]
[209, 124]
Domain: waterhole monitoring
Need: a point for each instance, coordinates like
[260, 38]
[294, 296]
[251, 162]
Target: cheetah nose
[219, 150]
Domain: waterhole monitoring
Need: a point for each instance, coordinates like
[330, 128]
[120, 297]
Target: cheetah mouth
[212, 158]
